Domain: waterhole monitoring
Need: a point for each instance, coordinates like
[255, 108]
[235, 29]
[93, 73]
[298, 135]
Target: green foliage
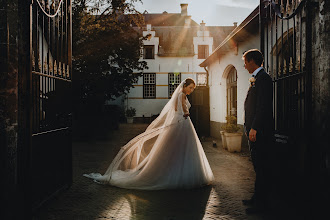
[131, 112]
[106, 49]
[231, 125]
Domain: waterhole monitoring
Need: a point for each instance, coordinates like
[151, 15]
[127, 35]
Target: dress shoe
[254, 210]
[248, 201]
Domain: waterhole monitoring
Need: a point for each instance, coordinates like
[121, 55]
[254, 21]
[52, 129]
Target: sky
[212, 12]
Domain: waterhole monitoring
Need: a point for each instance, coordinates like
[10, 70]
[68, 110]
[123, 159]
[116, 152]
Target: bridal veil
[160, 158]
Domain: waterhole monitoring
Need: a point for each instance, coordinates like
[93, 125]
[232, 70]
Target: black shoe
[254, 210]
[248, 201]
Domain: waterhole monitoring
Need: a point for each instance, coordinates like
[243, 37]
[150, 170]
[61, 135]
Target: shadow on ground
[88, 200]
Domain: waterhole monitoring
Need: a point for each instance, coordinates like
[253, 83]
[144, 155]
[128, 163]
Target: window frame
[198, 79]
[170, 84]
[152, 47]
[203, 51]
[231, 92]
[149, 85]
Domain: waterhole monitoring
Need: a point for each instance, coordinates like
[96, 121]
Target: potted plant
[130, 113]
[232, 137]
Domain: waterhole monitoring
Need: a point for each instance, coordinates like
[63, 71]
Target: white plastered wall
[217, 81]
[187, 66]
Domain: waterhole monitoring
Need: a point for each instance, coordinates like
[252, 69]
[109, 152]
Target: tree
[106, 49]
[106, 53]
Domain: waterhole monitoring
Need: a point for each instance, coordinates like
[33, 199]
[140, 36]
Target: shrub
[231, 125]
[131, 112]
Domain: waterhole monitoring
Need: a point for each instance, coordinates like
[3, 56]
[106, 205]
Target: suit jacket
[258, 105]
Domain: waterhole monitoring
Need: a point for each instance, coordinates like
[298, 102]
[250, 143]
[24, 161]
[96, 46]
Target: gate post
[24, 105]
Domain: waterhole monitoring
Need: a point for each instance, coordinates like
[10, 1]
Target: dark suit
[258, 108]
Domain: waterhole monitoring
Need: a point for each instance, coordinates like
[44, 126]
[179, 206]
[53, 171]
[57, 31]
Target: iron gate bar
[300, 69]
[46, 67]
[287, 64]
[280, 15]
[266, 61]
[288, 67]
[290, 76]
[276, 73]
[50, 131]
[271, 40]
[52, 77]
[51, 62]
[282, 47]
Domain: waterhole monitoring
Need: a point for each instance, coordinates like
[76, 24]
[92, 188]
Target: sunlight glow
[250, 4]
[120, 209]
[213, 12]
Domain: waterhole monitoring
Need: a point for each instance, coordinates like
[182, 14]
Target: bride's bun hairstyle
[188, 81]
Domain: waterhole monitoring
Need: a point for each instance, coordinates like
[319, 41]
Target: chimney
[235, 24]
[184, 9]
[202, 26]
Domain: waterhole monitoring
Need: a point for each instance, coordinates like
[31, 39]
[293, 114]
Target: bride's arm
[176, 105]
[184, 106]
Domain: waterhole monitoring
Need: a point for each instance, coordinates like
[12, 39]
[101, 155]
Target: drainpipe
[207, 76]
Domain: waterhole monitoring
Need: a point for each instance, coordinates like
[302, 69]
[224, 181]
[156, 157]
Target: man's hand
[186, 115]
[253, 135]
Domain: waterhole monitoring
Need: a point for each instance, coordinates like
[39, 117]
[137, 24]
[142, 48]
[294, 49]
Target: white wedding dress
[168, 155]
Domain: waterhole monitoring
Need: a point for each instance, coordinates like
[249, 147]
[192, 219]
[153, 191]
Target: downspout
[209, 98]
[207, 77]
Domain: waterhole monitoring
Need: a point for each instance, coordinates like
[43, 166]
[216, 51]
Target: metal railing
[51, 63]
[286, 45]
[51, 102]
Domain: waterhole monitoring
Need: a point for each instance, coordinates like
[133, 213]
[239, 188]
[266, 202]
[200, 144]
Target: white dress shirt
[256, 71]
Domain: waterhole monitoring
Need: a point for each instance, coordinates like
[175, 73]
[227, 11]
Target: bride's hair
[188, 81]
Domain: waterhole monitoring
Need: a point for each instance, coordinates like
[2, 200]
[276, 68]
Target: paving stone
[234, 181]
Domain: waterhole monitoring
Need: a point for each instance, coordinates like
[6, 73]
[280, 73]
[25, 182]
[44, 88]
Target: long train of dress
[167, 155]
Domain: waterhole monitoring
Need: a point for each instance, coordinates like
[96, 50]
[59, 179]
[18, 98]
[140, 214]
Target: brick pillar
[321, 103]
[8, 103]
[14, 63]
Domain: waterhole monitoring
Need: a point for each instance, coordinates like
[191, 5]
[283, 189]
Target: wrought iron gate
[50, 51]
[285, 31]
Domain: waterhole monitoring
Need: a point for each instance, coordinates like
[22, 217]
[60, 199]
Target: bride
[168, 155]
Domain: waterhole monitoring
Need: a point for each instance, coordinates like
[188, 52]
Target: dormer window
[203, 51]
[149, 52]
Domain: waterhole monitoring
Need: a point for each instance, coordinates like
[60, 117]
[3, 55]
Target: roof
[219, 33]
[167, 19]
[239, 34]
[178, 41]
[176, 38]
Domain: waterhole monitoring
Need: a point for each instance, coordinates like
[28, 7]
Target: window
[149, 85]
[203, 51]
[201, 79]
[232, 92]
[174, 79]
[148, 52]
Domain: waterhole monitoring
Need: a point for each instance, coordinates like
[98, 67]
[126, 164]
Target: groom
[258, 126]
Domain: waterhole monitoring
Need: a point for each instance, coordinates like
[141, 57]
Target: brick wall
[321, 97]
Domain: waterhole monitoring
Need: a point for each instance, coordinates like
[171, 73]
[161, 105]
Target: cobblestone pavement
[234, 181]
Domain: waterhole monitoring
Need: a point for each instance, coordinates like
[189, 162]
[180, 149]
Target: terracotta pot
[223, 139]
[234, 141]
